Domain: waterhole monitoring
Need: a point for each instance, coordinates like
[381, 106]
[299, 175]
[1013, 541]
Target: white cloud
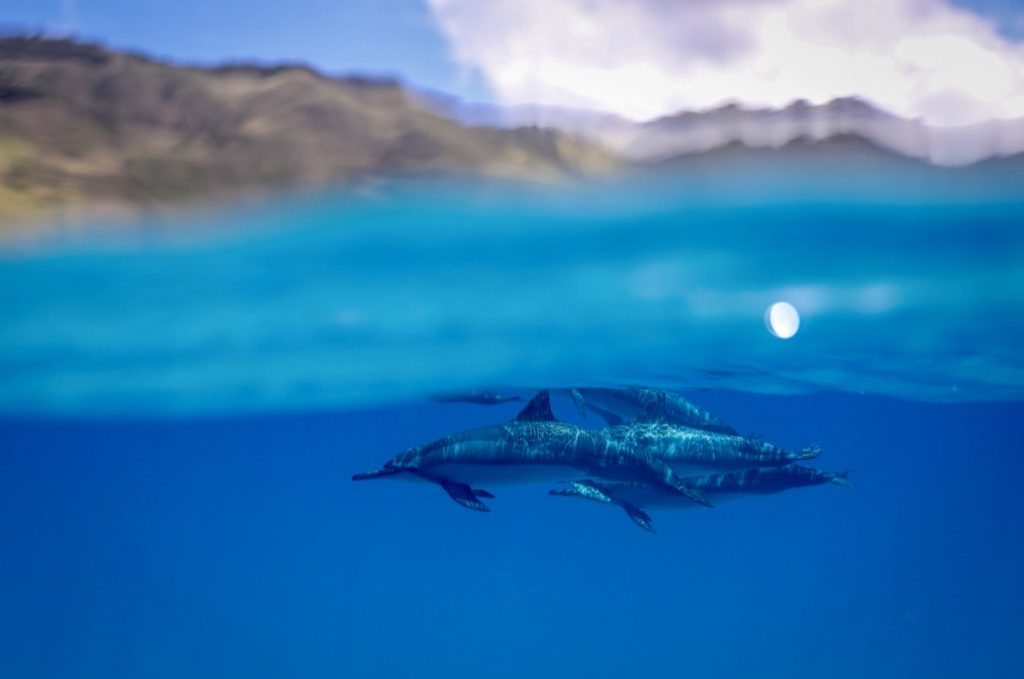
[645, 58]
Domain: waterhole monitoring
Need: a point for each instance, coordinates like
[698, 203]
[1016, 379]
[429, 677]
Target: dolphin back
[619, 406]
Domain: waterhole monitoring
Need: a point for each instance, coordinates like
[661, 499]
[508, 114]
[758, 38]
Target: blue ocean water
[182, 410]
[238, 547]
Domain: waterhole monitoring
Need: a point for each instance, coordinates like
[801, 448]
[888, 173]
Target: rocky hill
[84, 127]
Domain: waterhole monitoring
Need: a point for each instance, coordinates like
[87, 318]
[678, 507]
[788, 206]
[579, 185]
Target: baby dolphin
[721, 487]
[533, 447]
[617, 406]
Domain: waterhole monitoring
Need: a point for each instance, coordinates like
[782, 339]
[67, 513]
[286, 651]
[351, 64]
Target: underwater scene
[409, 339]
[185, 414]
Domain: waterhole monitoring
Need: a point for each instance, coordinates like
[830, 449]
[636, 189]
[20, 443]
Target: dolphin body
[617, 406]
[483, 397]
[720, 487]
[688, 451]
[533, 447]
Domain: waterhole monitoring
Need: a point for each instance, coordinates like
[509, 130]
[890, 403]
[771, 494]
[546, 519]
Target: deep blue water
[182, 407]
[238, 547]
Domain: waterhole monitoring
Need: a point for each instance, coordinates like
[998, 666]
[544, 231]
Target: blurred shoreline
[89, 134]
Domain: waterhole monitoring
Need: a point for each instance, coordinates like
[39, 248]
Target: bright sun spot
[783, 320]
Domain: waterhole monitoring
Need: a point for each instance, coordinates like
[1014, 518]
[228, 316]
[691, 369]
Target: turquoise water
[347, 300]
[181, 410]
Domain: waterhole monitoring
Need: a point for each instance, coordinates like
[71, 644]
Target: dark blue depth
[240, 548]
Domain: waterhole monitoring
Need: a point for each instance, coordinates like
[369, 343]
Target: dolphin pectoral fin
[578, 401]
[674, 482]
[693, 494]
[464, 495]
[375, 474]
[639, 517]
[480, 492]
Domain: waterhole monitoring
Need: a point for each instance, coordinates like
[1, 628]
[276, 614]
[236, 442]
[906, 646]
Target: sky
[947, 61]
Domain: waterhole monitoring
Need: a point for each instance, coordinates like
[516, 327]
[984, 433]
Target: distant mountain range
[699, 132]
[86, 129]
[83, 126]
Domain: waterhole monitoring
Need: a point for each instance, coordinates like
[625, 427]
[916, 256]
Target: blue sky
[393, 37]
[580, 53]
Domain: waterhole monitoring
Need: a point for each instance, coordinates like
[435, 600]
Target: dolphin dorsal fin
[537, 410]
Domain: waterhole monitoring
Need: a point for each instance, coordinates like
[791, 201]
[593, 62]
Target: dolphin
[720, 487]
[688, 451]
[617, 406]
[484, 397]
[532, 447]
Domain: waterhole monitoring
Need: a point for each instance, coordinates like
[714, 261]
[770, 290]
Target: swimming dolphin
[484, 397]
[688, 451]
[533, 447]
[720, 487]
[617, 406]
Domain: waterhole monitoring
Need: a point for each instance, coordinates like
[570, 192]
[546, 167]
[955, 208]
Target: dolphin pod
[659, 451]
[533, 447]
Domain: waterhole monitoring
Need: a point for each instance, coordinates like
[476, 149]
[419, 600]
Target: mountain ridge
[83, 126]
[695, 132]
[87, 129]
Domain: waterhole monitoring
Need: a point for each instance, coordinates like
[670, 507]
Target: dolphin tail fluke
[842, 478]
[465, 496]
[639, 517]
[375, 474]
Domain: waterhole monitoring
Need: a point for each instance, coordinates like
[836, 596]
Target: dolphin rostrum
[618, 406]
[532, 447]
[720, 487]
